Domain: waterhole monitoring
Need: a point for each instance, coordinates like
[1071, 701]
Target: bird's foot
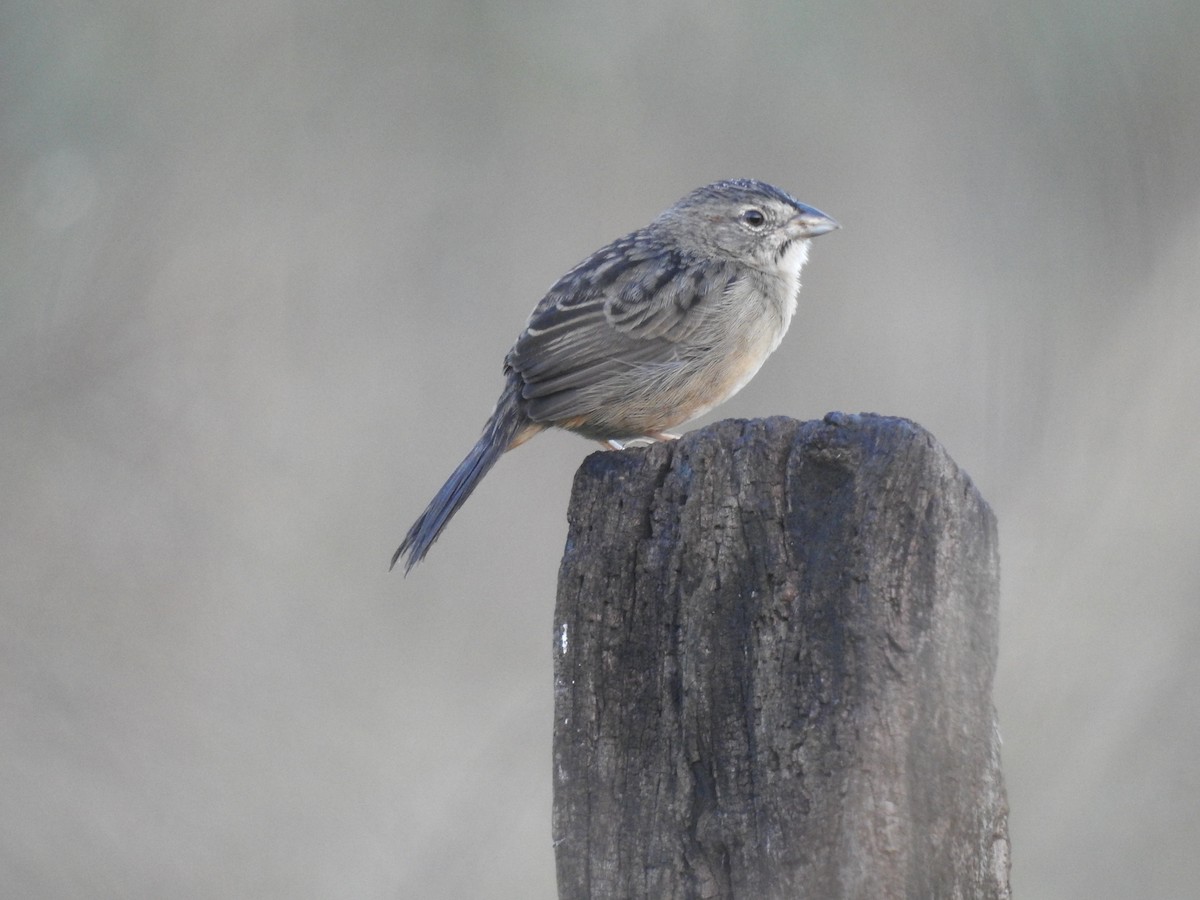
[654, 437]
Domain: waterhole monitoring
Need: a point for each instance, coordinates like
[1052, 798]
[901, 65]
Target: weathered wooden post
[774, 652]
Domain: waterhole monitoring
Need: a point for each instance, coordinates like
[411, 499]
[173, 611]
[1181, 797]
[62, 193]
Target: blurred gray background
[262, 261]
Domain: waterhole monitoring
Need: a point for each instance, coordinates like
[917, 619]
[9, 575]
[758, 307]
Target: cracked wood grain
[774, 651]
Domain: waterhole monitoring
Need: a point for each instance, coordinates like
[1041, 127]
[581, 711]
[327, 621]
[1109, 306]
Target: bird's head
[746, 221]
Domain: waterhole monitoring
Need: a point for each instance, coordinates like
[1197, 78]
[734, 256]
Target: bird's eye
[753, 217]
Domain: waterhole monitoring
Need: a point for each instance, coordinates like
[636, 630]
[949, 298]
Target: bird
[649, 332]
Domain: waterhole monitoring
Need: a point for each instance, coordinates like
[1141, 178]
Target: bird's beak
[809, 223]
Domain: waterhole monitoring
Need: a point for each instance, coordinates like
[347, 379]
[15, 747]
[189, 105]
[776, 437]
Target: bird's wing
[625, 307]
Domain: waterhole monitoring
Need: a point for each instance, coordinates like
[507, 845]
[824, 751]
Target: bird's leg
[652, 437]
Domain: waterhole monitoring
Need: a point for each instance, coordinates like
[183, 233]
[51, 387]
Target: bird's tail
[508, 427]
